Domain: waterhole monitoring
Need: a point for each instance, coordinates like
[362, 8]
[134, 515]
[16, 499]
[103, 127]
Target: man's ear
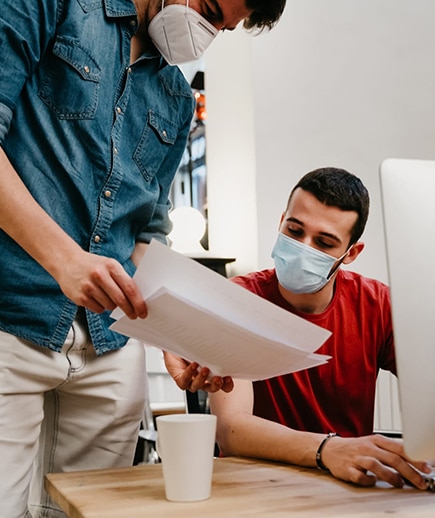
[354, 252]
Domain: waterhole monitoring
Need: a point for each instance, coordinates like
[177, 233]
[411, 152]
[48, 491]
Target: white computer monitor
[408, 199]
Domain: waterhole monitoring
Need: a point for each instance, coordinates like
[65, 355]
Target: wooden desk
[241, 488]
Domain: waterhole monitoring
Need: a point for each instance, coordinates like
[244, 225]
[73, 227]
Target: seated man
[290, 418]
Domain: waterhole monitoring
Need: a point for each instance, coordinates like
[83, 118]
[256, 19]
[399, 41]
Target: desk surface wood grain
[241, 488]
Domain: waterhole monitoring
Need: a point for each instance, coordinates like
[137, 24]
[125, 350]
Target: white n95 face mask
[180, 33]
[301, 268]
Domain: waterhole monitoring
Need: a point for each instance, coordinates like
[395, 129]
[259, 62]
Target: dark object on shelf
[198, 81]
[217, 264]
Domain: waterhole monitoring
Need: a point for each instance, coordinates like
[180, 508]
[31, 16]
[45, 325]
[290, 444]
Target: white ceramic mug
[185, 443]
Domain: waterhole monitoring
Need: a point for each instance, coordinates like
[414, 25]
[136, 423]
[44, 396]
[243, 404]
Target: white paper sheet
[203, 317]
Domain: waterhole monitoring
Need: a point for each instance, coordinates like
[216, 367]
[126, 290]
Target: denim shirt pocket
[71, 85]
[157, 139]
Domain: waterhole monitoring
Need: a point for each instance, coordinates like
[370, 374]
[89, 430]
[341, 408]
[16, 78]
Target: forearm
[24, 220]
[251, 436]
[361, 460]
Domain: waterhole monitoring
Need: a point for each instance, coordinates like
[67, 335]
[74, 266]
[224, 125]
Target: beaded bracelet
[319, 462]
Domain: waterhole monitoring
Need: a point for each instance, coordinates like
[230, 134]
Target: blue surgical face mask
[301, 268]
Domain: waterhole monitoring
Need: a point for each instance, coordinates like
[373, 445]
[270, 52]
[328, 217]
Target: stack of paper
[204, 317]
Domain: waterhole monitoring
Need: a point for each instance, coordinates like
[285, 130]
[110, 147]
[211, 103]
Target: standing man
[93, 123]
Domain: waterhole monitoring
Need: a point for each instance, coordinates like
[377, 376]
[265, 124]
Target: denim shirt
[96, 140]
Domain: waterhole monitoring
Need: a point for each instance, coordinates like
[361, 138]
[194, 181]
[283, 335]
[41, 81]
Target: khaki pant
[63, 412]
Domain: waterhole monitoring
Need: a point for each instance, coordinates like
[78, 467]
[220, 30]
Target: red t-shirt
[338, 396]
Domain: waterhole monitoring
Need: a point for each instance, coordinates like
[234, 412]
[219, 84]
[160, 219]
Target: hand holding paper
[190, 376]
[203, 317]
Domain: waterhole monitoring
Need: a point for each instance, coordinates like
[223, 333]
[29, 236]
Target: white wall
[345, 83]
[231, 171]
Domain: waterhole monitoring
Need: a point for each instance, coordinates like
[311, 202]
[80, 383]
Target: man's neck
[141, 39]
[311, 303]
[142, 10]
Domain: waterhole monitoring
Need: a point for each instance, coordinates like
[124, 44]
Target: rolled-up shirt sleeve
[26, 27]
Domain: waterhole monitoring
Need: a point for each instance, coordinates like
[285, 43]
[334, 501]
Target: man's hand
[100, 283]
[188, 376]
[364, 460]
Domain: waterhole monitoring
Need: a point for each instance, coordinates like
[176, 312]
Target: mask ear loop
[340, 261]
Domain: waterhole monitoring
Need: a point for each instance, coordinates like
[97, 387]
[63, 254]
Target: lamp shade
[187, 231]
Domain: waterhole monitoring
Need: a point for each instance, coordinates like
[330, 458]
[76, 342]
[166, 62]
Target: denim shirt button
[115, 150]
[97, 239]
[107, 194]
[164, 133]
[87, 69]
[118, 109]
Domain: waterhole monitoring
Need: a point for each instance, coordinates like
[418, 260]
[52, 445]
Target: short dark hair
[265, 14]
[338, 188]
